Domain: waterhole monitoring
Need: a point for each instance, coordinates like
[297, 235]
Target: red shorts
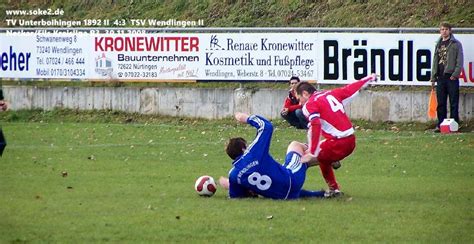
[332, 150]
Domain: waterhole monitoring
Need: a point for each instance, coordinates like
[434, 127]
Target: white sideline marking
[209, 143]
[104, 145]
[424, 135]
[105, 125]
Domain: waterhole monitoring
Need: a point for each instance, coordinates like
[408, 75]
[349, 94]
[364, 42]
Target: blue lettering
[14, 61]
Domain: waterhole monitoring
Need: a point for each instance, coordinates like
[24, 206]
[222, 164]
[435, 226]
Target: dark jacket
[455, 58]
[1, 92]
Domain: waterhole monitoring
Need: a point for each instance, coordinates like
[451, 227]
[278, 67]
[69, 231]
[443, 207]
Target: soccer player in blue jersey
[254, 170]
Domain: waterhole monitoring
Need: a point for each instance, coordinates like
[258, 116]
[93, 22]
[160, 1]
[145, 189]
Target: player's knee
[296, 146]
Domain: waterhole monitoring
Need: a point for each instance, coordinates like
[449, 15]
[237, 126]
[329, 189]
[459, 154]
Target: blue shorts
[297, 171]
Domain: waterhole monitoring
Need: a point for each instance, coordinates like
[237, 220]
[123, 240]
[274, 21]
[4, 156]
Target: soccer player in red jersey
[327, 117]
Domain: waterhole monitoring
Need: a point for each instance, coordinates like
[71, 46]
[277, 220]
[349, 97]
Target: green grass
[133, 182]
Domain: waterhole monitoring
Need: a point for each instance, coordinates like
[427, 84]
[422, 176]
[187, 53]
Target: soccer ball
[205, 186]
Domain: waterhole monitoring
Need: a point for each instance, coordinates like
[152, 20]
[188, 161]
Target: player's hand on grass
[224, 182]
[241, 117]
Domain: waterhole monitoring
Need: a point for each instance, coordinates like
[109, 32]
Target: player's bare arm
[241, 117]
[224, 182]
[310, 159]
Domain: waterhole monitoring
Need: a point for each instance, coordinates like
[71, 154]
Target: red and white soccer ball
[205, 186]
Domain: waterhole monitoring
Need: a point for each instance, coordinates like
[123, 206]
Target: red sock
[328, 174]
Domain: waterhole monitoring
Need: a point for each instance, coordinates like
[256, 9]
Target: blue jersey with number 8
[258, 172]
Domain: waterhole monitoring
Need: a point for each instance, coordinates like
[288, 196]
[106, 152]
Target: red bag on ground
[432, 104]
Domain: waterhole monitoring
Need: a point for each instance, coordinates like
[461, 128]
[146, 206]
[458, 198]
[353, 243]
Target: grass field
[134, 183]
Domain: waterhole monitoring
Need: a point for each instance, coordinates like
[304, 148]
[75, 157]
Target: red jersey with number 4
[326, 114]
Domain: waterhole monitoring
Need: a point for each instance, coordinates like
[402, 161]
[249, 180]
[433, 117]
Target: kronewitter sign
[336, 58]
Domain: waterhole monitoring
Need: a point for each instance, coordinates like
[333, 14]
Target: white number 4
[335, 104]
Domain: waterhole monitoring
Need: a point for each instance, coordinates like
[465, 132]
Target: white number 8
[263, 182]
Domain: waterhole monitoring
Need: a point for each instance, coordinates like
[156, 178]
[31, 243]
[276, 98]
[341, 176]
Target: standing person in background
[291, 111]
[3, 107]
[327, 116]
[3, 104]
[445, 71]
